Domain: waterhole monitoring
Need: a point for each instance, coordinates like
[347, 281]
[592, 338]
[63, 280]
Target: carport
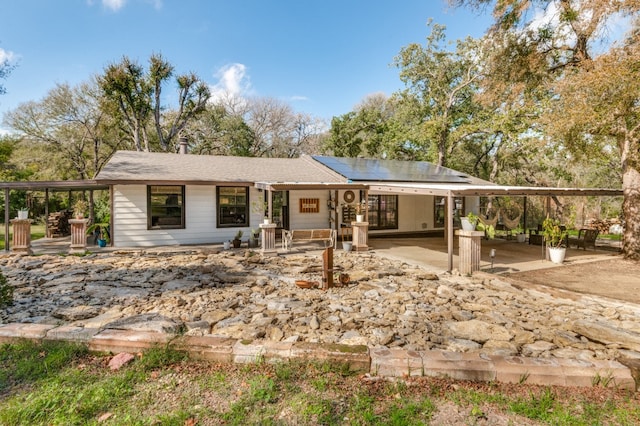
[46, 187]
[450, 191]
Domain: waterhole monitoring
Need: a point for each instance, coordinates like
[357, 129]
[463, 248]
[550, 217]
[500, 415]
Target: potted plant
[253, 238]
[79, 208]
[237, 239]
[469, 222]
[360, 207]
[555, 237]
[103, 239]
[261, 208]
[23, 213]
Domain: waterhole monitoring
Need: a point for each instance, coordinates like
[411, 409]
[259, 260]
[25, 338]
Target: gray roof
[139, 167]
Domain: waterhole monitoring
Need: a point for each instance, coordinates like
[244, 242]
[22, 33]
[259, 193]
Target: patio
[510, 256]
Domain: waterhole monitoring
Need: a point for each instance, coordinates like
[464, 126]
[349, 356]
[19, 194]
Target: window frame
[377, 201]
[458, 209]
[219, 206]
[150, 206]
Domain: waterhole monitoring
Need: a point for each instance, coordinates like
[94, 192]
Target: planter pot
[266, 221]
[236, 243]
[23, 214]
[226, 245]
[347, 245]
[359, 218]
[557, 254]
[253, 242]
[102, 243]
[521, 238]
[467, 225]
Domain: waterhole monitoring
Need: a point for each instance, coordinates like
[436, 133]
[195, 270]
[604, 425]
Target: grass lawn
[62, 383]
[37, 231]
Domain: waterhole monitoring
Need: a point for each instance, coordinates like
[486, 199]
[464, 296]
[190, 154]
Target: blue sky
[322, 57]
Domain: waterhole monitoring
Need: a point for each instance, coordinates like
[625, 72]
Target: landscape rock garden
[386, 303]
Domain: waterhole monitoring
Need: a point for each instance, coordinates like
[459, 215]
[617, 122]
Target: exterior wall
[130, 218]
[298, 220]
[415, 213]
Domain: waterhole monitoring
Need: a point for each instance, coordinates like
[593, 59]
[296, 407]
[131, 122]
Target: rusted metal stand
[327, 268]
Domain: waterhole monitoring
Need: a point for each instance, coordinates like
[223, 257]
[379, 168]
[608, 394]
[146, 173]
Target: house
[165, 199]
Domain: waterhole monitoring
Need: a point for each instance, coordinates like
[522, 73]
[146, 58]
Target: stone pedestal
[360, 236]
[469, 251]
[268, 238]
[21, 236]
[78, 235]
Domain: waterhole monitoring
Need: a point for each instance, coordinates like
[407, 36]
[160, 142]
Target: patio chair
[586, 237]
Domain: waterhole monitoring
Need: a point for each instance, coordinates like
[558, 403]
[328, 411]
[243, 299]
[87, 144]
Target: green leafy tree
[441, 84]
[134, 97]
[592, 84]
[71, 127]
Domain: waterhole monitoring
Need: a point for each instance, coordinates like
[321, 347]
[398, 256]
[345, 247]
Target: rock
[146, 322]
[314, 323]
[601, 332]
[462, 345]
[119, 360]
[76, 313]
[537, 348]
[478, 331]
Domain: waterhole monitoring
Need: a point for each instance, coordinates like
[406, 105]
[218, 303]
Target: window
[165, 207]
[439, 211]
[383, 212]
[233, 206]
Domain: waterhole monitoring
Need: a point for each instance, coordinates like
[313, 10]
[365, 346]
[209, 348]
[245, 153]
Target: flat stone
[478, 331]
[599, 331]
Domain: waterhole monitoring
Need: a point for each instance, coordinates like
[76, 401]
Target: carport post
[449, 229]
[6, 219]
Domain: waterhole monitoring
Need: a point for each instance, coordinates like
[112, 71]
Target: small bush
[6, 292]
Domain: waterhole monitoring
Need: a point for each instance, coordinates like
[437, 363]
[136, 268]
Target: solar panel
[366, 169]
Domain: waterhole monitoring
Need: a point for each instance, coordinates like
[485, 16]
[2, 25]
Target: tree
[71, 124]
[135, 98]
[218, 132]
[440, 89]
[5, 69]
[594, 96]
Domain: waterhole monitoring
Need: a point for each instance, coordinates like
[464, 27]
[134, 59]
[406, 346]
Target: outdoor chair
[586, 237]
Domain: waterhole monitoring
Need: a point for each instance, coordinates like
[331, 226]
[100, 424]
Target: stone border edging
[377, 362]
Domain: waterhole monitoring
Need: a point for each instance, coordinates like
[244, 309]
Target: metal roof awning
[489, 190]
[55, 185]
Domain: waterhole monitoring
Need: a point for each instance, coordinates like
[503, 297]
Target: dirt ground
[616, 278]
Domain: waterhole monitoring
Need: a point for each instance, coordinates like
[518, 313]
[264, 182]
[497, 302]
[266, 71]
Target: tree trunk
[631, 212]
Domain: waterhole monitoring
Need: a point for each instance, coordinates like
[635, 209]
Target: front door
[280, 205]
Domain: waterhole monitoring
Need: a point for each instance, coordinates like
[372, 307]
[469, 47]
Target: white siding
[298, 220]
[130, 218]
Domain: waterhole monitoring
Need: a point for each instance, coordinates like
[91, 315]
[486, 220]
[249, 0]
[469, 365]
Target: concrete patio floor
[511, 256]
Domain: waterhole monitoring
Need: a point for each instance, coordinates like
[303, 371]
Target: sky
[322, 57]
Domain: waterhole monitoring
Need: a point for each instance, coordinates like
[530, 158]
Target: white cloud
[233, 81]
[6, 55]
[114, 5]
[295, 98]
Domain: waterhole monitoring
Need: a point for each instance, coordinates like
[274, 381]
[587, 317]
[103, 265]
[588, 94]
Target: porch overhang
[291, 186]
[489, 190]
